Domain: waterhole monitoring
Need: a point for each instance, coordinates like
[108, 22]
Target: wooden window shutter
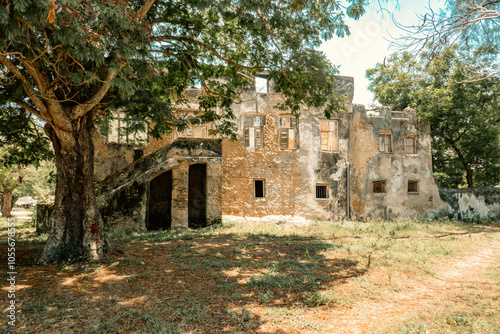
[247, 137]
[249, 120]
[284, 138]
[258, 137]
[291, 138]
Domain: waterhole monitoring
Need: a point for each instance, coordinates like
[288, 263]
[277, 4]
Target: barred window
[385, 143]
[329, 135]
[321, 191]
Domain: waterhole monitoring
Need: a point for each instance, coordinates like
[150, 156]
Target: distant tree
[474, 24]
[464, 116]
[68, 61]
[10, 179]
[22, 143]
[38, 182]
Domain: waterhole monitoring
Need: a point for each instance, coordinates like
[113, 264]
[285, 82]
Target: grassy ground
[273, 277]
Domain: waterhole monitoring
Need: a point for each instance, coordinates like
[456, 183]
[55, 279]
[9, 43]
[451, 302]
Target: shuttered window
[410, 144]
[253, 131]
[288, 132]
[329, 136]
[385, 143]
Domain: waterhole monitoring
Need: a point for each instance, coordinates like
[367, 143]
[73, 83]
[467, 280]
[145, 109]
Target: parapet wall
[472, 203]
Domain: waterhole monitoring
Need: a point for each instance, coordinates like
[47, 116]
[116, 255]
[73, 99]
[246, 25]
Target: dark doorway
[160, 202]
[197, 200]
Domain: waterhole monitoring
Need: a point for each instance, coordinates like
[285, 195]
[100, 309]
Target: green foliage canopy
[63, 59]
[464, 116]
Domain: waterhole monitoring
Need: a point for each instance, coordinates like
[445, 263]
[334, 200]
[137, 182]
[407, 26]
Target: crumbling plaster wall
[396, 168]
[290, 175]
[471, 203]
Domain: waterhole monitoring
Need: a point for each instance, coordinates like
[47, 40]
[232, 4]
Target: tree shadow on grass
[210, 284]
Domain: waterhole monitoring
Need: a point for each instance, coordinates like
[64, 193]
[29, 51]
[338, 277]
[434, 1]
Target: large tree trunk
[77, 224]
[7, 201]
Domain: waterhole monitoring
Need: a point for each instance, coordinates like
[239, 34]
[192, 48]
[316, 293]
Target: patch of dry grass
[273, 277]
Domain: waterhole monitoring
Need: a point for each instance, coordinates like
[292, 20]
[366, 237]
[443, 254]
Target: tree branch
[144, 10]
[82, 109]
[208, 47]
[44, 114]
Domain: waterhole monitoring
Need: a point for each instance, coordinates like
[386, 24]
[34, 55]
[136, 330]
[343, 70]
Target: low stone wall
[43, 214]
[472, 203]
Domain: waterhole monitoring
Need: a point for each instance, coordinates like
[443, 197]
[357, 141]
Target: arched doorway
[197, 199]
[160, 202]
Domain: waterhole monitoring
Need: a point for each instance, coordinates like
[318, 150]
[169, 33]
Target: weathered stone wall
[110, 157]
[471, 203]
[396, 168]
[123, 196]
[290, 175]
[43, 215]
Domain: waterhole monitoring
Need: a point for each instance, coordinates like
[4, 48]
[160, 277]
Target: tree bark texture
[7, 202]
[76, 223]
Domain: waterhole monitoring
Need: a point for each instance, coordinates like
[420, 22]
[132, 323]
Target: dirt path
[451, 280]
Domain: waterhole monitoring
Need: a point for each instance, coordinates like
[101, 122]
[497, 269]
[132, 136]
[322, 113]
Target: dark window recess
[321, 191]
[413, 186]
[379, 187]
[259, 188]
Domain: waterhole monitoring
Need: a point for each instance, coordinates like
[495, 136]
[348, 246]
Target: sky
[370, 38]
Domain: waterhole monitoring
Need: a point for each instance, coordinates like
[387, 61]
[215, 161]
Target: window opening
[259, 188]
[288, 132]
[261, 85]
[253, 131]
[411, 144]
[321, 191]
[379, 187]
[385, 143]
[413, 186]
[329, 135]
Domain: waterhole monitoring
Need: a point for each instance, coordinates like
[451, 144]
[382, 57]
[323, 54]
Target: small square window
[413, 186]
[379, 187]
[259, 188]
[321, 191]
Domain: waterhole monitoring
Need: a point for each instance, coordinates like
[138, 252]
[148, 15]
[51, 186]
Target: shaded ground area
[319, 278]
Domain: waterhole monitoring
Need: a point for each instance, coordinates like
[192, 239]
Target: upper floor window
[329, 135]
[410, 144]
[288, 132]
[261, 85]
[253, 131]
[385, 142]
[194, 131]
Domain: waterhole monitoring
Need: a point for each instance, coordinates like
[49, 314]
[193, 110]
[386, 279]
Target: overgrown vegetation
[250, 277]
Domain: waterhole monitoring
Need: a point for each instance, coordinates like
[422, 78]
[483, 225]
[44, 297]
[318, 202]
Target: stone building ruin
[355, 165]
